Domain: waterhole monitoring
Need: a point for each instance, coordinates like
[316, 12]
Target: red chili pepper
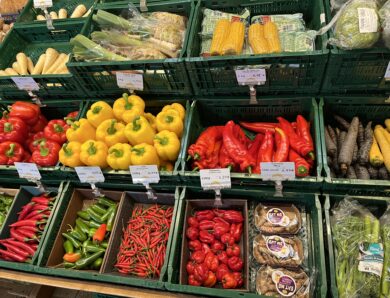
[22, 245]
[233, 216]
[233, 251]
[206, 224]
[193, 282]
[195, 245]
[221, 271]
[18, 236]
[13, 129]
[211, 280]
[220, 229]
[282, 146]
[204, 215]
[265, 152]
[192, 233]
[211, 261]
[236, 231]
[235, 263]
[206, 237]
[303, 129]
[28, 112]
[302, 167]
[13, 256]
[40, 125]
[16, 250]
[229, 281]
[100, 233]
[241, 136]
[25, 222]
[255, 146]
[193, 222]
[56, 131]
[34, 140]
[46, 155]
[10, 152]
[260, 127]
[222, 257]
[204, 145]
[198, 256]
[236, 150]
[296, 142]
[225, 161]
[25, 210]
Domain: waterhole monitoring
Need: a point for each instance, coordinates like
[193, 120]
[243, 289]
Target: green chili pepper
[104, 244]
[84, 215]
[106, 202]
[97, 264]
[107, 214]
[84, 262]
[2, 219]
[85, 244]
[82, 226]
[94, 248]
[98, 209]
[68, 265]
[110, 220]
[93, 224]
[79, 235]
[75, 243]
[94, 216]
[91, 232]
[86, 222]
[68, 246]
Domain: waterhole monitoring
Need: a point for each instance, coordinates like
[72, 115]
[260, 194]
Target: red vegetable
[192, 281]
[40, 125]
[235, 263]
[239, 278]
[229, 281]
[10, 152]
[221, 228]
[211, 261]
[255, 146]
[282, 147]
[34, 141]
[206, 224]
[192, 222]
[205, 248]
[100, 233]
[236, 231]
[225, 161]
[201, 272]
[233, 251]
[217, 246]
[56, 131]
[198, 256]
[206, 237]
[233, 216]
[195, 245]
[265, 152]
[204, 214]
[192, 233]
[302, 167]
[46, 155]
[13, 256]
[211, 280]
[13, 129]
[204, 145]
[190, 267]
[227, 239]
[25, 222]
[241, 136]
[260, 127]
[22, 245]
[221, 271]
[303, 129]
[222, 257]
[28, 112]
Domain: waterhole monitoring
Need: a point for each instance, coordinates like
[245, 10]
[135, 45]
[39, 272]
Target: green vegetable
[97, 264]
[68, 246]
[84, 262]
[115, 38]
[75, 243]
[84, 215]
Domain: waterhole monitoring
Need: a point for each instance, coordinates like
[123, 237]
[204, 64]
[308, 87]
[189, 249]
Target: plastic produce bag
[284, 22]
[358, 250]
[298, 41]
[384, 15]
[385, 232]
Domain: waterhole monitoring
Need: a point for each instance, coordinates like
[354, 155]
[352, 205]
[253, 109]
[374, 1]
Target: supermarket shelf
[87, 286]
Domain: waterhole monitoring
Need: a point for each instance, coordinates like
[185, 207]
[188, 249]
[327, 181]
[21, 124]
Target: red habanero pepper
[204, 214]
[217, 246]
[206, 224]
[225, 161]
[233, 216]
[265, 152]
[40, 125]
[55, 131]
[13, 129]
[211, 261]
[282, 146]
[233, 251]
[227, 239]
[303, 129]
[204, 145]
[192, 222]
[211, 280]
[235, 263]
[206, 237]
[34, 140]
[192, 233]
[260, 127]
[255, 146]
[10, 152]
[296, 142]
[222, 257]
[229, 281]
[239, 279]
[27, 111]
[201, 272]
[221, 271]
[190, 267]
[46, 155]
[236, 149]
[220, 229]
[205, 248]
[240, 135]
[302, 167]
[198, 256]
[195, 245]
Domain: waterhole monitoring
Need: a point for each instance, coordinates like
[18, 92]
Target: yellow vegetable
[79, 11]
[119, 156]
[128, 107]
[39, 66]
[51, 57]
[220, 34]
[383, 144]
[69, 154]
[80, 131]
[30, 65]
[111, 132]
[376, 157]
[235, 41]
[99, 112]
[53, 15]
[21, 58]
[144, 154]
[62, 13]
[387, 123]
[139, 131]
[16, 67]
[58, 63]
[11, 72]
[151, 119]
[167, 145]
[170, 120]
[178, 107]
[271, 34]
[256, 39]
[94, 153]
[41, 18]
[166, 166]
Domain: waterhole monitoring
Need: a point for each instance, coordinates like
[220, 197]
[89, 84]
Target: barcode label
[368, 20]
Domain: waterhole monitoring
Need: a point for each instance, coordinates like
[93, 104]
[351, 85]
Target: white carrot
[62, 13]
[21, 58]
[3, 73]
[16, 67]
[30, 65]
[39, 66]
[51, 57]
[79, 11]
[53, 15]
[41, 18]
[58, 63]
[11, 72]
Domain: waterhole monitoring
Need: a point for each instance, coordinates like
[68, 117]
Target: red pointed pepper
[282, 146]
[225, 161]
[260, 127]
[241, 136]
[255, 146]
[10, 152]
[265, 152]
[303, 129]
[204, 145]
[55, 131]
[302, 167]
[46, 155]
[195, 245]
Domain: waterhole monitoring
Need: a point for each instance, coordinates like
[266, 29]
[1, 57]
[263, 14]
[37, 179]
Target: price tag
[25, 83]
[251, 76]
[215, 179]
[43, 3]
[131, 81]
[145, 174]
[28, 171]
[387, 73]
[90, 175]
[277, 171]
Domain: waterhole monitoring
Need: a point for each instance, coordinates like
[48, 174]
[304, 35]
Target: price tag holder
[25, 83]
[131, 81]
[387, 73]
[251, 76]
[91, 175]
[215, 179]
[278, 172]
[43, 3]
[30, 172]
[146, 175]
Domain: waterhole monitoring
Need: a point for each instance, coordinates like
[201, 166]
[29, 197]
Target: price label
[145, 174]
[215, 179]
[251, 76]
[131, 81]
[28, 171]
[387, 73]
[25, 83]
[90, 174]
[277, 171]
[43, 3]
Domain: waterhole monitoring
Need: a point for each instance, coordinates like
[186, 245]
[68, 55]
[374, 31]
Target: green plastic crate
[166, 76]
[355, 71]
[52, 110]
[23, 197]
[205, 113]
[288, 73]
[376, 109]
[33, 43]
[316, 257]
[140, 195]
[153, 106]
[377, 205]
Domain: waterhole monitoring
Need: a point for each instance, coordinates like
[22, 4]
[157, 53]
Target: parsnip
[53, 15]
[62, 13]
[57, 64]
[39, 66]
[41, 18]
[21, 58]
[62, 68]
[30, 65]
[51, 57]
[79, 11]
[16, 67]
[87, 13]
[3, 73]
[11, 72]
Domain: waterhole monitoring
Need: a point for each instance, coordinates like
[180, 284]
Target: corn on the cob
[235, 41]
[271, 34]
[256, 38]
[221, 32]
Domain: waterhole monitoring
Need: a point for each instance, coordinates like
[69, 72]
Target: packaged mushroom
[281, 282]
[275, 250]
[278, 218]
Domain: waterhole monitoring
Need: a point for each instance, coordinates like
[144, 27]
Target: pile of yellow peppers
[124, 135]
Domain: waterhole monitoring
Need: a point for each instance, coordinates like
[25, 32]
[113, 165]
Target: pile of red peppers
[25, 233]
[216, 257]
[229, 147]
[27, 136]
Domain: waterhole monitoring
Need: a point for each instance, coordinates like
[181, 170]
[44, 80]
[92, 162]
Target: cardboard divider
[76, 203]
[235, 204]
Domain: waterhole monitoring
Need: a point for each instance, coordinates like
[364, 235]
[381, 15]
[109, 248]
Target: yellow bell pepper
[144, 154]
[94, 153]
[166, 166]
[128, 107]
[151, 119]
[178, 107]
[139, 131]
[69, 154]
[170, 120]
[167, 145]
[119, 156]
[80, 131]
[99, 112]
[111, 132]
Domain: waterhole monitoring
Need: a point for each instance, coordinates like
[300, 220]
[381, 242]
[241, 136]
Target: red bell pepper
[10, 152]
[13, 129]
[40, 125]
[34, 141]
[211, 261]
[282, 146]
[198, 256]
[222, 257]
[192, 281]
[46, 155]
[201, 272]
[205, 248]
[27, 111]
[233, 251]
[227, 239]
[233, 216]
[236, 231]
[195, 245]
[204, 214]
[221, 271]
[192, 233]
[206, 237]
[303, 129]
[225, 161]
[302, 167]
[206, 224]
[265, 152]
[204, 145]
[239, 278]
[211, 280]
[71, 117]
[229, 281]
[193, 222]
[26, 156]
[235, 263]
[55, 131]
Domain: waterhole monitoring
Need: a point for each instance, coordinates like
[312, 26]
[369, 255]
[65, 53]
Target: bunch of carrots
[26, 232]
[229, 147]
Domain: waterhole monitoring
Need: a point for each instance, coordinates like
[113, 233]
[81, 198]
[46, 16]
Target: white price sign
[25, 83]
[277, 171]
[90, 175]
[28, 171]
[387, 73]
[215, 179]
[43, 3]
[131, 81]
[251, 76]
[145, 174]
